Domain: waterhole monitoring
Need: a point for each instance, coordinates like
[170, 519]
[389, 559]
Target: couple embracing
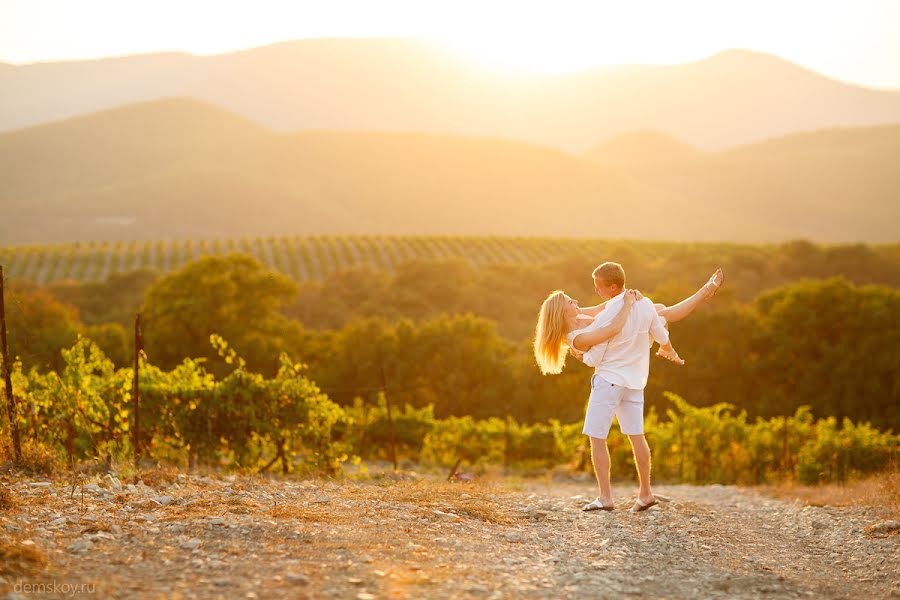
[615, 338]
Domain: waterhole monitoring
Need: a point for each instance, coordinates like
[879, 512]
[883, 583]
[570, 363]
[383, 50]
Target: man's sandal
[642, 507]
[596, 505]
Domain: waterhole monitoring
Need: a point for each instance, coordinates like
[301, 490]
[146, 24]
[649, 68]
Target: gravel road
[241, 537]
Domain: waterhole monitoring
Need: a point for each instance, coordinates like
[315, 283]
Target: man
[621, 367]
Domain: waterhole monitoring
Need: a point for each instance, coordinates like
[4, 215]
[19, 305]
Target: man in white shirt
[621, 367]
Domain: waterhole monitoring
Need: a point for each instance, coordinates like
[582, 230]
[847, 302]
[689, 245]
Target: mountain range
[184, 168]
[396, 84]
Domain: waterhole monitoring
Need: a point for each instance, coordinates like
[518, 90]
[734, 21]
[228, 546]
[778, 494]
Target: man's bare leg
[642, 459]
[679, 311]
[600, 459]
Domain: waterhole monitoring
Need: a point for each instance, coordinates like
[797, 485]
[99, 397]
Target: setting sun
[854, 42]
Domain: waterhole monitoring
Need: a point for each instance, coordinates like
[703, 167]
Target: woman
[562, 325]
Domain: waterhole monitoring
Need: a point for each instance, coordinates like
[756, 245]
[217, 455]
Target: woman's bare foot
[669, 353]
[715, 282]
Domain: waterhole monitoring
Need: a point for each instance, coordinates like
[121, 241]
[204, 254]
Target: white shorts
[608, 400]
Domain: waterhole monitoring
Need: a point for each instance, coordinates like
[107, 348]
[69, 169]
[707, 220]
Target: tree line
[458, 338]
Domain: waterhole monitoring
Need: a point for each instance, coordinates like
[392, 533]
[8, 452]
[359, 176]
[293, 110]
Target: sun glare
[543, 49]
[525, 54]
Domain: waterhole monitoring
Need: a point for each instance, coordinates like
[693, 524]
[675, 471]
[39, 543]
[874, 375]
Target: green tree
[832, 345]
[233, 296]
[39, 326]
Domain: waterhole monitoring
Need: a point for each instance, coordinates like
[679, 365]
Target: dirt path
[200, 537]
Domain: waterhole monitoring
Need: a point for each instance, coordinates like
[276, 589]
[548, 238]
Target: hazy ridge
[180, 168]
[397, 84]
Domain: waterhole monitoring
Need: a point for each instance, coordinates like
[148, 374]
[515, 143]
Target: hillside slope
[180, 168]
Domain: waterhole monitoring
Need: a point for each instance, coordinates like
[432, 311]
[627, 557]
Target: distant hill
[823, 184]
[180, 168]
[642, 148]
[735, 97]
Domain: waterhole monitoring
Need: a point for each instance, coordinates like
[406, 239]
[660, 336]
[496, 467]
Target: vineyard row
[300, 257]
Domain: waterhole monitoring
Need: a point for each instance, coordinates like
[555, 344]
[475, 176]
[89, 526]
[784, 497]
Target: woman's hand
[631, 296]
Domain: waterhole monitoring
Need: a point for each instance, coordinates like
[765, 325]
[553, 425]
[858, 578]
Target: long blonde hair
[550, 345]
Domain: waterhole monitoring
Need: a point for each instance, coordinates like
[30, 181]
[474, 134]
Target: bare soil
[217, 536]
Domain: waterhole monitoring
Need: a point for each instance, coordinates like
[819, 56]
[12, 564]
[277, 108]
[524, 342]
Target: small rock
[445, 515]
[297, 578]
[695, 520]
[39, 484]
[80, 545]
[59, 521]
[191, 544]
[165, 500]
[216, 520]
[883, 527]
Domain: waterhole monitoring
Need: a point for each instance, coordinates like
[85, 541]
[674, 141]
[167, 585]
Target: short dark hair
[610, 273]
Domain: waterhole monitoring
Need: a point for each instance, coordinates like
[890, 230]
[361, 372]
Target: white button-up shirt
[625, 358]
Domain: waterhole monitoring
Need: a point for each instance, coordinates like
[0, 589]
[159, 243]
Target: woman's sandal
[712, 282]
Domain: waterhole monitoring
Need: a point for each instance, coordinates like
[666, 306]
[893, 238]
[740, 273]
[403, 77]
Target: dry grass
[7, 501]
[17, 558]
[37, 460]
[97, 526]
[880, 491]
[313, 513]
[466, 500]
[204, 507]
[156, 475]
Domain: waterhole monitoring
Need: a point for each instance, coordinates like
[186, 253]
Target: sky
[856, 41]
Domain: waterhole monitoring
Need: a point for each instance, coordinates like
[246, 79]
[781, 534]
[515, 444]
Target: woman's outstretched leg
[677, 312]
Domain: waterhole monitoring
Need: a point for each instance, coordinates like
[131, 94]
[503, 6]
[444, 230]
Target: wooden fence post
[136, 389]
[387, 400]
[7, 377]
